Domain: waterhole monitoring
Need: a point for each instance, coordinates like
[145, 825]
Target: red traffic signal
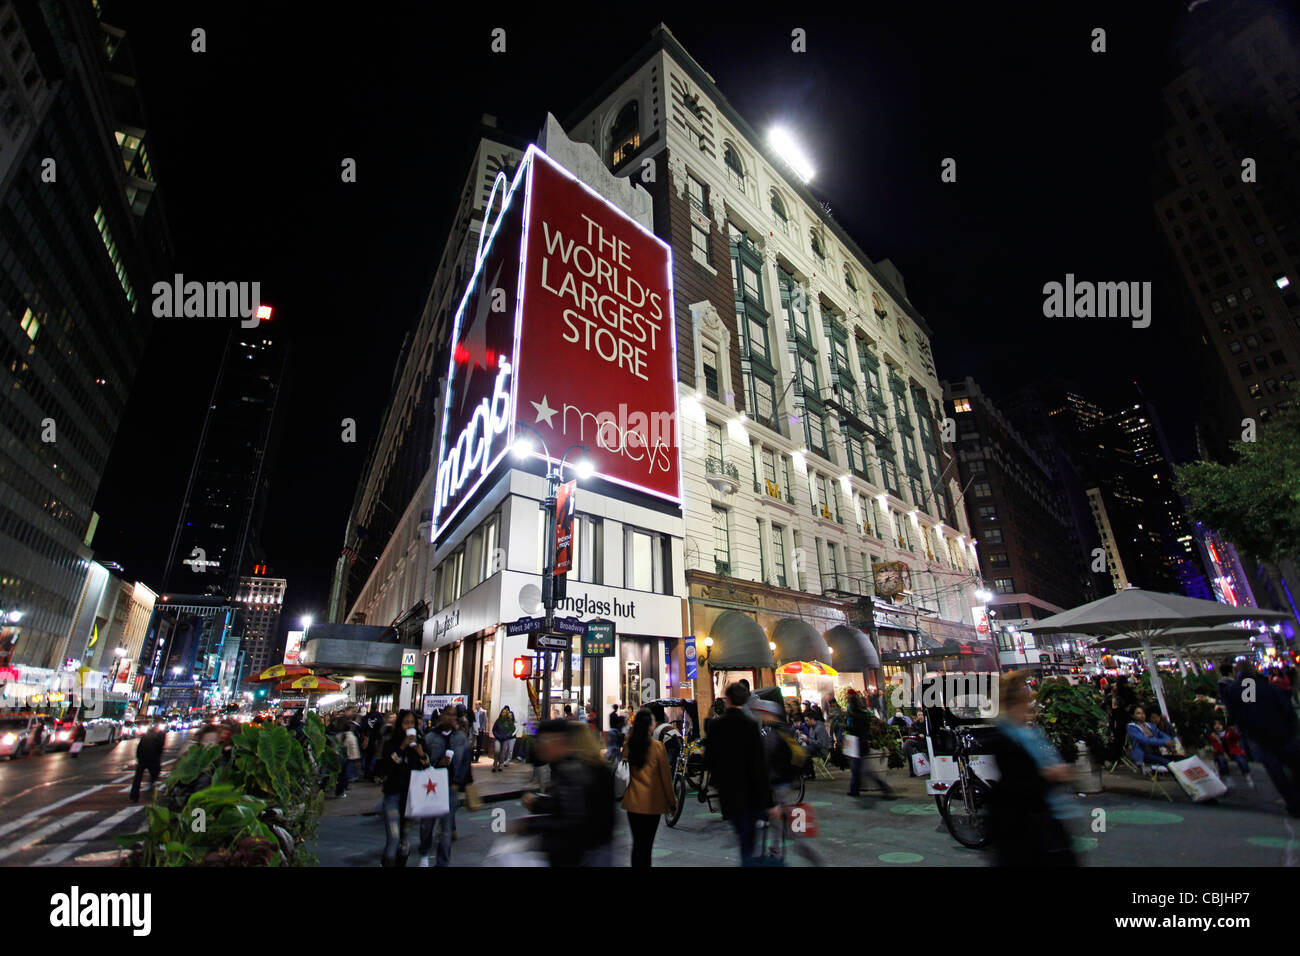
[523, 667]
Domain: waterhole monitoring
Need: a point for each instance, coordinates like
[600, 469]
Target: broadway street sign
[570, 625]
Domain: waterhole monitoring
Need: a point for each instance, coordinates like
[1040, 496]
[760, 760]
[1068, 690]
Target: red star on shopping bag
[430, 787]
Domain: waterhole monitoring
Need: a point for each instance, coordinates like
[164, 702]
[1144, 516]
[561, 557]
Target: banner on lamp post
[566, 499]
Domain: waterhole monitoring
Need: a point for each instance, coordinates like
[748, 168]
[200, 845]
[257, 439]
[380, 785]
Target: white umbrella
[1147, 616]
[1180, 640]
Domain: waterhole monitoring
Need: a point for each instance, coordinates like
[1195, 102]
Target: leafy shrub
[1068, 713]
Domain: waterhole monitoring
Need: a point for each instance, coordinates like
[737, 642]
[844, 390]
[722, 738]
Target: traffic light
[523, 667]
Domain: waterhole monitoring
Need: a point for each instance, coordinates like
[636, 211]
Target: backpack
[788, 760]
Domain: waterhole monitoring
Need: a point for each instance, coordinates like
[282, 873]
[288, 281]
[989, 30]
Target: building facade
[1023, 524]
[810, 404]
[261, 598]
[218, 534]
[82, 235]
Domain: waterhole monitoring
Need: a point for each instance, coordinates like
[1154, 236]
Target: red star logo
[430, 787]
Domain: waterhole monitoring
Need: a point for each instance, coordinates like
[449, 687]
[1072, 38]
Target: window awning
[738, 642]
[797, 640]
[853, 649]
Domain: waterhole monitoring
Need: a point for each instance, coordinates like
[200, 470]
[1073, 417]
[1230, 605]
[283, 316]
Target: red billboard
[567, 327]
[566, 500]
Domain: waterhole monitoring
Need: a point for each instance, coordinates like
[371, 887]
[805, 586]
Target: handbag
[426, 795]
[622, 777]
[852, 748]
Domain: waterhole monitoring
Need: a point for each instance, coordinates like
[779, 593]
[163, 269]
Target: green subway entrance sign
[599, 639]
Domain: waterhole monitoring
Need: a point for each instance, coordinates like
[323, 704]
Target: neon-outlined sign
[583, 340]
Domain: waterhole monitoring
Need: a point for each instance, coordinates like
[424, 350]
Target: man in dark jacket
[737, 766]
[859, 725]
[148, 756]
[447, 747]
[575, 816]
[1265, 716]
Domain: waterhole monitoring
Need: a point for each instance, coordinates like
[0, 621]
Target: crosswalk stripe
[31, 839]
[100, 828]
[29, 817]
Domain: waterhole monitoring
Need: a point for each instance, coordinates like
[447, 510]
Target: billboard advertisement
[293, 647]
[566, 502]
[567, 327]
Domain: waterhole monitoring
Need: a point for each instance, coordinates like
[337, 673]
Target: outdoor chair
[1149, 772]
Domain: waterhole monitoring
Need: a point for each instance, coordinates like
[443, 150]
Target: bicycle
[964, 805]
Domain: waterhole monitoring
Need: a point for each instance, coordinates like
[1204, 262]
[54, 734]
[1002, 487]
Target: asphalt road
[57, 809]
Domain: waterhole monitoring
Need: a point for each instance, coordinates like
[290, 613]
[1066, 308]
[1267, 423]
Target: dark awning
[738, 642]
[853, 649]
[797, 640]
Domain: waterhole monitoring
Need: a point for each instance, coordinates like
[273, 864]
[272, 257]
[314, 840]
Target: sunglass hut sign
[567, 322]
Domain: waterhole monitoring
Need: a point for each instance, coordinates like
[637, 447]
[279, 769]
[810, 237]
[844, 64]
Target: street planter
[1087, 772]
[877, 761]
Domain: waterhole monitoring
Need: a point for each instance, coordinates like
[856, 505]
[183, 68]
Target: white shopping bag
[920, 764]
[1195, 777]
[427, 794]
[852, 748]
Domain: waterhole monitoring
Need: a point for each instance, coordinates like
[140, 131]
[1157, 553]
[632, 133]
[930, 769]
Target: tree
[1255, 501]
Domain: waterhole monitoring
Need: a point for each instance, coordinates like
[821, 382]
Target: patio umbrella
[311, 683]
[281, 672]
[1146, 616]
[808, 669]
[1180, 640]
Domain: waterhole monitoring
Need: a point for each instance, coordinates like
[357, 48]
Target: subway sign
[567, 326]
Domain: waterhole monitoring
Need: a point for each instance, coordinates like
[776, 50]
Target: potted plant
[1072, 717]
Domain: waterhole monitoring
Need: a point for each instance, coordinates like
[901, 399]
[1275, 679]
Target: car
[95, 730]
[22, 735]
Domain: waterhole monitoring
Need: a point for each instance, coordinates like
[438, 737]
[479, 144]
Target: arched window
[625, 134]
[815, 241]
[878, 306]
[735, 169]
[779, 210]
[849, 282]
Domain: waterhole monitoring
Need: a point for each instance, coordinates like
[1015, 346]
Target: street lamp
[584, 468]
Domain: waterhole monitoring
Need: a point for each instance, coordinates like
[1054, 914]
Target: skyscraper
[217, 538]
[82, 235]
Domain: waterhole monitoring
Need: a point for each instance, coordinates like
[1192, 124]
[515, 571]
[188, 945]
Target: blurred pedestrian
[649, 792]
[481, 738]
[858, 724]
[737, 767]
[148, 756]
[1027, 810]
[574, 817]
[1266, 718]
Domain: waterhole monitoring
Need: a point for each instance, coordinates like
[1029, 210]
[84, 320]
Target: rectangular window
[988, 513]
[991, 536]
[721, 542]
[1004, 586]
[1000, 560]
[645, 560]
[699, 244]
[763, 394]
[710, 362]
[762, 557]
[715, 441]
[815, 431]
[696, 191]
[778, 554]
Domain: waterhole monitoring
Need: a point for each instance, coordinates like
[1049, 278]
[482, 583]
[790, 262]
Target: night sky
[1055, 163]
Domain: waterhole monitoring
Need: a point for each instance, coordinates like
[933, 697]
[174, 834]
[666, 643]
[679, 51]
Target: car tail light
[8, 738]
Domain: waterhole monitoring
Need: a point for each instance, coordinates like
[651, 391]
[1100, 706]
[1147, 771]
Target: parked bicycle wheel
[967, 820]
[679, 793]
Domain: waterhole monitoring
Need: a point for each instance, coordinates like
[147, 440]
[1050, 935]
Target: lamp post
[554, 473]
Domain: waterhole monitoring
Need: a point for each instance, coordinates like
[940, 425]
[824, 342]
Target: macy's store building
[564, 348]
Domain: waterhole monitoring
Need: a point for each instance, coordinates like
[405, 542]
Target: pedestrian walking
[857, 725]
[1028, 811]
[446, 745]
[503, 732]
[402, 753]
[574, 817]
[481, 737]
[737, 767]
[1265, 717]
[148, 756]
[649, 793]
